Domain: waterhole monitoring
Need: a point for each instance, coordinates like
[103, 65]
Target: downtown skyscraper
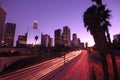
[75, 40]
[9, 34]
[22, 40]
[58, 37]
[3, 13]
[62, 38]
[46, 40]
[66, 36]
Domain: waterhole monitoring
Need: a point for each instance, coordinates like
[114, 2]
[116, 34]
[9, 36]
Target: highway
[77, 69]
[36, 72]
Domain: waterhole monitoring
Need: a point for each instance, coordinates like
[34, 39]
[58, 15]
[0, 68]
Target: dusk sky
[54, 14]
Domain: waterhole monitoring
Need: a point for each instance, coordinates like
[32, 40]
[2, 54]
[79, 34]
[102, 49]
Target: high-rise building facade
[46, 40]
[66, 36]
[22, 40]
[74, 36]
[75, 40]
[3, 13]
[58, 37]
[116, 39]
[9, 34]
[51, 42]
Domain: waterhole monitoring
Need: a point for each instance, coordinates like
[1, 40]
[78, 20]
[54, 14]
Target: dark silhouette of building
[50, 42]
[46, 40]
[22, 40]
[116, 39]
[76, 43]
[3, 13]
[9, 34]
[66, 36]
[75, 40]
[58, 37]
[74, 36]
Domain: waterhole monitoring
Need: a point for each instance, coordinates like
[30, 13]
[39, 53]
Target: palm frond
[98, 2]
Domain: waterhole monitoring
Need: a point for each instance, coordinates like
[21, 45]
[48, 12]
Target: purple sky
[54, 14]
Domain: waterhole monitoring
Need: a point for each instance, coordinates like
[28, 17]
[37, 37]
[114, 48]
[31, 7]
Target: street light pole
[64, 58]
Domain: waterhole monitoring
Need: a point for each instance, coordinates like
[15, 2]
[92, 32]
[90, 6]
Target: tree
[105, 23]
[92, 22]
[96, 20]
[36, 38]
[98, 2]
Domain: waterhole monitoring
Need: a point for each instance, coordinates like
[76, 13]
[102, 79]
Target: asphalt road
[39, 70]
[77, 69]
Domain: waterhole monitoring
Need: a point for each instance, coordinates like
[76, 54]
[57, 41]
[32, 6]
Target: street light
[2, 43]
[64, 58]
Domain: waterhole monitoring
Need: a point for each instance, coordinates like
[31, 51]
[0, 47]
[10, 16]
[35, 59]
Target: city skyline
[52, 15]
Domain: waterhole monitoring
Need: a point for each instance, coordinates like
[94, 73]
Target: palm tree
[92, 22]
[105, 16]
[106, 23]
[36, 38]
[96, 20]
[98, 2]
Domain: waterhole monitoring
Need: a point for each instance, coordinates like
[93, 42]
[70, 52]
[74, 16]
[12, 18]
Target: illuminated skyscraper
[66, 36]
[9, 34]
[58, 37]
[46, 40]
[2, 21]
[22, 40]
[75, 40]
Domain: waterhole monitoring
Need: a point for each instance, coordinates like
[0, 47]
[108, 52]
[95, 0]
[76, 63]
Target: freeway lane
[39, 70]
[77, 69]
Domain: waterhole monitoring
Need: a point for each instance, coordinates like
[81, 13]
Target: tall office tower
[58, 37]
[66, 38]
[74, 36]
[9, 34]
[3, 13]
[46, 40]
[22, 40]
[50, 42]
[79, 41]
[75, 40]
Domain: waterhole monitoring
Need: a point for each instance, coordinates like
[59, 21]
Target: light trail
[39, 70]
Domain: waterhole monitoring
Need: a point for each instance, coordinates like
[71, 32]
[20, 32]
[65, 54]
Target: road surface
[76, 69]
[39, 70]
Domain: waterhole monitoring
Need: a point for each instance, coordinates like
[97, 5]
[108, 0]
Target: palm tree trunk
[104, 66]
[100, 41]
[116, 77]
[103, 52]
[108, 36]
